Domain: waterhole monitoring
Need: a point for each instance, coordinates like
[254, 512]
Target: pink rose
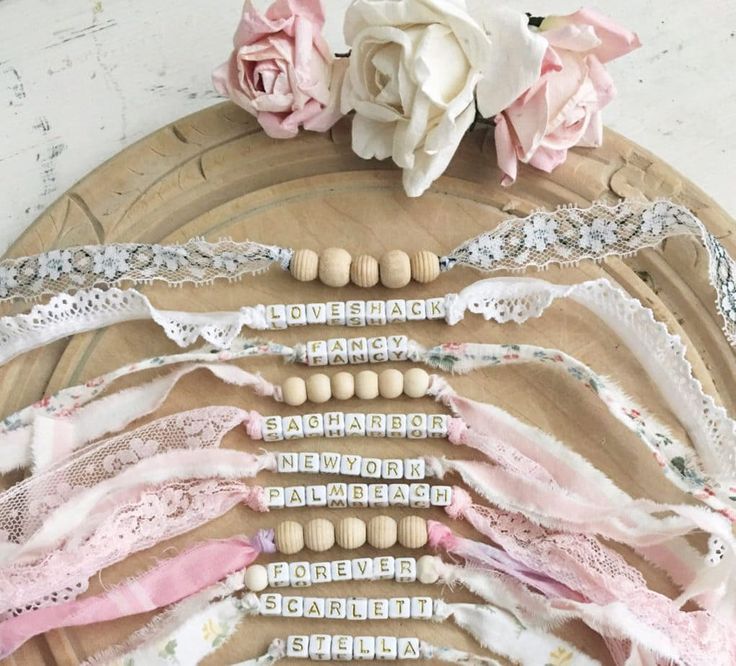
[281, 69]
[563, 108]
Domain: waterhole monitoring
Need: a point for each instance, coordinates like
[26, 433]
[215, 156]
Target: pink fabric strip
[168, 582]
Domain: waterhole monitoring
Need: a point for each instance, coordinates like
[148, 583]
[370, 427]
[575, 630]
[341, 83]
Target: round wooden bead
[425, 266]
[366, 385]
[350, 533]
[318, 388]
[289, 537]
[427, 569]
[256, 577]
[416, 383]
[334, 267]
[390, 383]
[364, 271]
[412, 532]
[294, 390]
[343, 385]
[382, 532]
[319, 535]
[395, 269]
[304, 265]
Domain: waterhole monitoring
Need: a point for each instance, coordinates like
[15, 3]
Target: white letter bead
[395, 310]
[314, 608]
[296, 314]
[355, 313]
[399, 608]
[416, 425]
[396, 425]
[287, 463]
[297, 647]
[316, 313]
[336, 609]
[441, 495]
[316, 495]
[329, 463]
[317, 352]
[414, 469]
[357, 608]
[378, 349]
[299, 574]
[320, 647]
[408, 648]
[386, 648]
[342, 648]
[358, 494]
[364, 648]
[269, 604]
[336, 313]
[406, 570]
[421, 608]
[358, 350]
[384, 567]
[337, 495]
[398, 348]
[293, 427]
[354, 425]
[362, 568]
[378, 495]
[321, 572]
[375, 313]
[341, 570]
[295, 496]
[437, 425]
[419, 495]
[375, 425]
[350, 464]
[308, 462]
[398, 494]
[392, 468]
[371, 468]
[271, 428]
[378, 609]
[275, 497]
[337, 351]
[435, 308]
[312, 425]
[334, 423]
[292, 607]
[276, 316]
[278, 574]
[416, 310]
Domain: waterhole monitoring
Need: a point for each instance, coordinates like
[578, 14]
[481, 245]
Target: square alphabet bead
[313, 425]
[308, 462]
[337, 351]
[317, 352]
[354, 425]
[416, 310]
[408, 648]
[357, 608]
[435, 308]
[375, 313]
[398, 494]
[297, 647]
[275, 497]
[292, 427]
[350, 464]
[287, 463]
[300, 574]
[337, 495]
[358, 494]
[386, 648]
[384, 567]
[441, 495]
[371, 468]
[334, 423]
[375, 425]
[336, 313]
[378, 609]
[276, 316]
[336, 609]
[342, 648]
[272, 429]
[314, 608]
[396, 425]
[321, 572]
[398, 347]
[292, 607]
[316, 495]
[358, 350]
[296, 314]
[406, 570]
[329, 463]
[421, 608]
[341, 570]
[419, 495]
[399, 608]
[362, 568]
[278, 574]
[316, 313]
[378, 494]
[378, 349]
[364, 648]
[295, 496]
[392, 468]
[437, 425]
[269, 604]
[414, 469]
[395, 310]
[355, 313]
[320, 647]
[416, 426]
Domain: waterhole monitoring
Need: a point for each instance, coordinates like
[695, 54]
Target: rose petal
[505, 150]
[372, 138]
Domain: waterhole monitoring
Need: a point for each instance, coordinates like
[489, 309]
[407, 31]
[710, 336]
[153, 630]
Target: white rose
[413, 72]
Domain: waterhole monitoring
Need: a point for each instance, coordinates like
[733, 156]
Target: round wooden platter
[215, 174]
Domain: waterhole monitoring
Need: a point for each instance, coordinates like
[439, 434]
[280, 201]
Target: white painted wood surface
[82, 79]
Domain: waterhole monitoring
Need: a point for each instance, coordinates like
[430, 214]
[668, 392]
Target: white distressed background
[82, 79]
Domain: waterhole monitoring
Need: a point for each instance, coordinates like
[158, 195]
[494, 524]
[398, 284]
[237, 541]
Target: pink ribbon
[168, 582]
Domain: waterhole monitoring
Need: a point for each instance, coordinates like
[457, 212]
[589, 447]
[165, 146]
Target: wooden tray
[216, 174]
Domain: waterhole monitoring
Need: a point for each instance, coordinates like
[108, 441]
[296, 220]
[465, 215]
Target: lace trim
[194, 262]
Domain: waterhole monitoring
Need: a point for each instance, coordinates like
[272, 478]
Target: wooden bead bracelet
[335, 267]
